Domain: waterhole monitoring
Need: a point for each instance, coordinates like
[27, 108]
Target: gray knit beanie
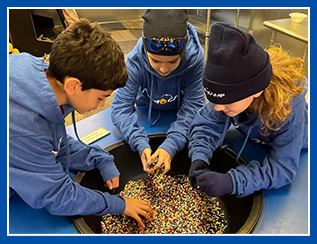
[162, 23]
[237, 67]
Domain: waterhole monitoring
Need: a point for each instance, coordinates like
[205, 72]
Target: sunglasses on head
[171, 45]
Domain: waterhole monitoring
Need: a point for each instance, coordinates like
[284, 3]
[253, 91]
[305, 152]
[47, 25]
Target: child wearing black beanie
[262, 93]
[165, 73]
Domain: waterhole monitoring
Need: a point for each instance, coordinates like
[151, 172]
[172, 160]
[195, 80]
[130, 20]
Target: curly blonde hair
[274, 104]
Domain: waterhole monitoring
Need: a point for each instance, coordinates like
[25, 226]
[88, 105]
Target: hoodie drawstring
[223, 137]
[67, 145]
[159, 111]
[150, 107]
[67, 152]
[75, 130]
[224, 133]
[178, 93]
[243, 145]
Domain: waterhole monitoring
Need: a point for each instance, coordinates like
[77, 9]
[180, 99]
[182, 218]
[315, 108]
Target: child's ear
[71, 85]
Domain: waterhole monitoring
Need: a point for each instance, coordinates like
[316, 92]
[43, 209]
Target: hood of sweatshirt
[27, 76]
[26, 95]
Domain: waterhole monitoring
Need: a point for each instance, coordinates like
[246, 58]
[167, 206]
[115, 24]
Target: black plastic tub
[242, 214]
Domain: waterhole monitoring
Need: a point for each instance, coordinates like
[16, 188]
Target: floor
[126, 33]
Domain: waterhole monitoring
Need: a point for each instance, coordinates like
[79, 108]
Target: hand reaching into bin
[134, 208]
[213, 183]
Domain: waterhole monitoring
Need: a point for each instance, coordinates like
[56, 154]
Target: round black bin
[241, 214]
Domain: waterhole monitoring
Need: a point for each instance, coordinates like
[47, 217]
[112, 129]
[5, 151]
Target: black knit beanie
[165, 23]
[236, 68]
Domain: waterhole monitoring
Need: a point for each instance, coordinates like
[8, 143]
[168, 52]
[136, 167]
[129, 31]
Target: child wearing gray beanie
[262, 93]
[165, 73]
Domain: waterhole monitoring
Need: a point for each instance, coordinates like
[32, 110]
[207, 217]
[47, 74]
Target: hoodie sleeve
[85, 157]
[123, 114]
[194, 99]
[40, 180]
[206, 132]
[280, 166]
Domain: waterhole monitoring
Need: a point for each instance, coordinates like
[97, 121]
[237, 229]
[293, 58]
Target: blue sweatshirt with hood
[40, 152]
[182, 91]
[279, 168]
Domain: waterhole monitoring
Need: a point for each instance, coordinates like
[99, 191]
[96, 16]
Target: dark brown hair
[88, 52]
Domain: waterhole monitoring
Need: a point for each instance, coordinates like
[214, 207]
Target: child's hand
[163, 158]
[213, 183]
[112, 183]
[145, 158]
[134, 208]
[198, 164]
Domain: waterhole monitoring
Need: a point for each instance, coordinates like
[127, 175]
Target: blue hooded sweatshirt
[182, 91]
[279, 168]
[40, 152]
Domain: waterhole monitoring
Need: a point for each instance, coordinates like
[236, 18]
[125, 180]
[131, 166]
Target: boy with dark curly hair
[85, 66]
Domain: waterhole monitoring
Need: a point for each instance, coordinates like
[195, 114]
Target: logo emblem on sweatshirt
[166, 98]
[163, 101]
[213, 94]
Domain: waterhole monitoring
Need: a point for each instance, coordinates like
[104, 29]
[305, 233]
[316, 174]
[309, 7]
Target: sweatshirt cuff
[200, 156]
[141, 146]
[234, 182]
[115, 205]
[108, 170]
[169, 147]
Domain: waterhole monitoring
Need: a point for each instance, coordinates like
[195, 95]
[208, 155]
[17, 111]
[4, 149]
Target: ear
[71, 85]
